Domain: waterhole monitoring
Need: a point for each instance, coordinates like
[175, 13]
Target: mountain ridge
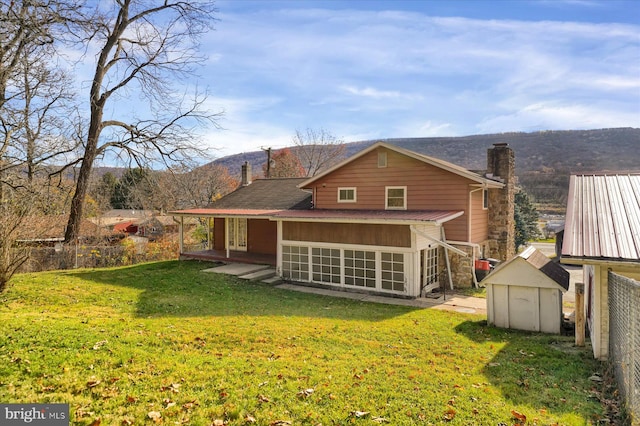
[544, 159]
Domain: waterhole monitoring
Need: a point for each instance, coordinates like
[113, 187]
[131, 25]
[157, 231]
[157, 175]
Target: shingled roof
[262, 196]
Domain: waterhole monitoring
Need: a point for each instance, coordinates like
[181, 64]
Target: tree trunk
[77, 202]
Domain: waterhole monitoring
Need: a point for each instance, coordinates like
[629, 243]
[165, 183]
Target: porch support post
[446, 258]
[209, 226]
[181, 227]
[226, 236]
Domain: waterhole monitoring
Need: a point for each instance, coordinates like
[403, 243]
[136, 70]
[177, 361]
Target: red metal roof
[439, 216]
[223, 212]
[603, 217]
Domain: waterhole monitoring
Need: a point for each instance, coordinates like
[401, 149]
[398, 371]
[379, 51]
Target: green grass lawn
[167, 343]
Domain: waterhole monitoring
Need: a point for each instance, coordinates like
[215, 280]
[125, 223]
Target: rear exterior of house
[386, 220]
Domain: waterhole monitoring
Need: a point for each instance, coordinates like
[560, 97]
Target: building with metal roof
[602, 233]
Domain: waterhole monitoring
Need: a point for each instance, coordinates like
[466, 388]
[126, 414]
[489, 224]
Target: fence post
[579, 314]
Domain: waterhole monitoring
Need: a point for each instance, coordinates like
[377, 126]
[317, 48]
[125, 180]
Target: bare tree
[143, 47]
[198, 187]
[28, 30]
[318, 150]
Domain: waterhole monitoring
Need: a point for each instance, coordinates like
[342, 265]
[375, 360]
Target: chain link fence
[74, 256]
[624, 338]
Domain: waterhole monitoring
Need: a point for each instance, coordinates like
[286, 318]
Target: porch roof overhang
[400, 217]
[404, 217]
[223, 213]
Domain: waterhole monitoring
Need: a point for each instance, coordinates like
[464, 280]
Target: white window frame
[386, 198]
[347, 188]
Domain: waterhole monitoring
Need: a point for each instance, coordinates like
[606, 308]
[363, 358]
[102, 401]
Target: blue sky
[386, 69]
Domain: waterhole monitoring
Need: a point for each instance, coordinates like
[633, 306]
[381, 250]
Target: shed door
[523, 308]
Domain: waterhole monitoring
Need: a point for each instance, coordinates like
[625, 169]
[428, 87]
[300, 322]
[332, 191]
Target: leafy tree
[526, 218]
[131, 190]
[284, 163]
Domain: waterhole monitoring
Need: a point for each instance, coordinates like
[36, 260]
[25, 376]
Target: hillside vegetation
[544, 160]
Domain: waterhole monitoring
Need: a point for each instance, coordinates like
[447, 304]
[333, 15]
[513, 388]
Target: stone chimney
[501, 164]
[246, 174]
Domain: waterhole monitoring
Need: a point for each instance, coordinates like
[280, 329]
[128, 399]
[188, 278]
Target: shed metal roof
[603, 218]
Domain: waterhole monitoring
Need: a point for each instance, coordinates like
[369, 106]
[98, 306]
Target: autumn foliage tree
[284, 163]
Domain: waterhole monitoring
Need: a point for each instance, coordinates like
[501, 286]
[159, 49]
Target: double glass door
[237, 232]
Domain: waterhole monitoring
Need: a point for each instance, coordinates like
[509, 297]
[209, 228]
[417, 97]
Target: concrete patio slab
[237, 269]
[454, 302]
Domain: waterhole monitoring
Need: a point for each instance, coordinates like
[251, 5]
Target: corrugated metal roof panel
[603, 217]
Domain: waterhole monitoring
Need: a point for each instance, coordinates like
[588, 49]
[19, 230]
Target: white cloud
[392, 73]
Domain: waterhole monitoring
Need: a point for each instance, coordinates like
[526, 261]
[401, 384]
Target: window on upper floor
[382, 159]
[346, 195]
[396, 197]
[485, 199]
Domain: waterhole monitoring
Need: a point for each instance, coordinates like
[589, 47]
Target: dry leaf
[217, 422]
[379, 419]
[305, 393]
[359, 414]
[131, 399]
[96, 422]
[154, 415]
[519, 416]
[280, 423]
[126, 422]
[93, 383]
[449, 414]
[99, 344]
[250, 419]
[263, 398]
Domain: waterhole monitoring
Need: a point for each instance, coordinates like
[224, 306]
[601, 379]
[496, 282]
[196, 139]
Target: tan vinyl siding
[479, 218]
[348, 233]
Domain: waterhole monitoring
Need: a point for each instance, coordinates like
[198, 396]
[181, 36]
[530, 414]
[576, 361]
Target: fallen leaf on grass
[359, 414]
[131, 399]
[280, 423]
[263, 398]
[449, 414]
[218, 422]
[126, 422]
[99, 344]
[93, 383]
[173, 387]
[96, 422]
[154, 415]
[379, 419]
[518, 416]
[305, 393]
[250, 419]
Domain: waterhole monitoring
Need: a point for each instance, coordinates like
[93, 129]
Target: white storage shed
[525, 293]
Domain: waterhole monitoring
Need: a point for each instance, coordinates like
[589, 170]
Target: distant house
[143, 223]
[48, 230]
[386, 220]
[602, 233]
